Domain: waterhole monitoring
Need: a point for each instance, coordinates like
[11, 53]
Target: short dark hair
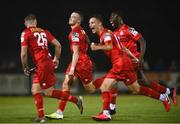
[80, 14]
[98, 16]
[30, 17]
[118, 12]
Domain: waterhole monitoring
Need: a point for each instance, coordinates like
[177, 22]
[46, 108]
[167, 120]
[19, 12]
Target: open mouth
[112, 23]
[93, 29]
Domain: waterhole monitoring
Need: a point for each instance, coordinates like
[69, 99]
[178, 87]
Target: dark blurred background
[158, 22]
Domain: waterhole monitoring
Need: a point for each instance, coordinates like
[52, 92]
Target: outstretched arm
[107, 46]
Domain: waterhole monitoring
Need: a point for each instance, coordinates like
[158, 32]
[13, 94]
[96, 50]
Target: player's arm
[106, 46]
[57, 52]
[138, 37]
[86, 36]
[127, 51]
[142, 42]
[75, 57]
[24, 57]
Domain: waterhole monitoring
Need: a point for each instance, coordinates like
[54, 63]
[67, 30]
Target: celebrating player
[122, 69]
[36, 40]
[129, 37]
[80, 66]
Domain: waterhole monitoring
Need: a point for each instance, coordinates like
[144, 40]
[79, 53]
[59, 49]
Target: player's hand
[93, 47]
[135, 60]
[71, 73]
[56, 63]
[26, 71]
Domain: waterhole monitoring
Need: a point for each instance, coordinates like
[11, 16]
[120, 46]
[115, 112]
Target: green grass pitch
[130, 109]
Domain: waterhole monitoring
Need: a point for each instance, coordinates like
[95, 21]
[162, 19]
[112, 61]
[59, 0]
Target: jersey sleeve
[50, 37]
[75, 38]
[24, 38]
[107, 38]
[134, 35]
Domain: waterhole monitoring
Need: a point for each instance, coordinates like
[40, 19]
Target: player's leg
[158, 87]
[105, 87]
[66, 89]
[162, 89]
[63, 101]
[38, 98]
[92, 86]
[146, 91]
[113, 95]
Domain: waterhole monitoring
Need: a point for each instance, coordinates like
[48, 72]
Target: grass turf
[130, 109]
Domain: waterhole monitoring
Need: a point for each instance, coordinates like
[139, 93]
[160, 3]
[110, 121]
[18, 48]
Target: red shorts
[118, 72]
[44, 74]
[83, 70]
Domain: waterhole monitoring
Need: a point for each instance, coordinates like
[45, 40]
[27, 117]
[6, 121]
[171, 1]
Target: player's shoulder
[107, 32]
[25, 30]
[132, 31]
[125, 27]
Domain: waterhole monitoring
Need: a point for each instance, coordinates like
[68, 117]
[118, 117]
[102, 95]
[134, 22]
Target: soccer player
[80, 66]
[129, 37]
[36, 40]
[122, 70]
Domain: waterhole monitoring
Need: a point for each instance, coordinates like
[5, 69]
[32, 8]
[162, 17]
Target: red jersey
[77, 37]
[37, 40]
[106, 36]
[83, 69]
[128, 37]
[116, 55]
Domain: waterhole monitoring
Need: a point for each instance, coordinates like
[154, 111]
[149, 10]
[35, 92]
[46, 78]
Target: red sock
[113, 95]
[105, 100]
[149, 92]
[38, 98]
[156, 86]
[63, 102]
[57, 94]
[97, 83]
[72, 98]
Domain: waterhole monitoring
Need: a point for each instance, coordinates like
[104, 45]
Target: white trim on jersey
[75, 37]
[118, 41]
[107, 37]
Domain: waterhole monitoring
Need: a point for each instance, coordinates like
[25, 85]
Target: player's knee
[90, 88]
[35, 91]
[47, 93]
[104, 88]
[135, 90]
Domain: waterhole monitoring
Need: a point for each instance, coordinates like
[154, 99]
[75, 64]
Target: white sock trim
[112, 106]
[168, 91]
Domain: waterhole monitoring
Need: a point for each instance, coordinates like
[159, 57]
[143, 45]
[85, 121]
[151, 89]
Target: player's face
[94, 24]
[74, 18]
[114, 20]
